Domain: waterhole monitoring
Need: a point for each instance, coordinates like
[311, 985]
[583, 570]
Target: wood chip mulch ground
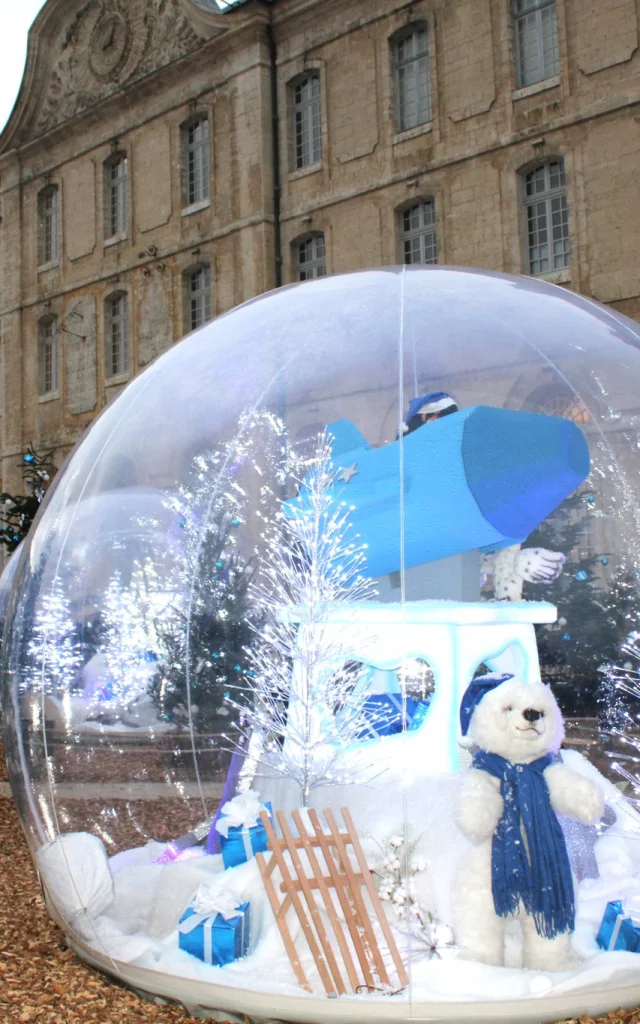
[43, 982]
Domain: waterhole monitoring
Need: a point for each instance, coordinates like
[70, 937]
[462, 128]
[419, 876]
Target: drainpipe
[275, 154]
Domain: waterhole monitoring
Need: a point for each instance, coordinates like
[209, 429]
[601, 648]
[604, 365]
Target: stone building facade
[168, 159]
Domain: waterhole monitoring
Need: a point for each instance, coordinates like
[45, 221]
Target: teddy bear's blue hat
[474, 693]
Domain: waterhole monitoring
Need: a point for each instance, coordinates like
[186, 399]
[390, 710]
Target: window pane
[48, 226]
[412, 80]
[310, 258]
[199, 288]
[48, 356]
[307, 122]
[117, 197]
[419, 237]
[197, 161]
[547, 218]
[117, 335]
[536, 41]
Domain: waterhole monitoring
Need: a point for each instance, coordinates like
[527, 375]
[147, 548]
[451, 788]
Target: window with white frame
[412, 86]
[48, 356]
[198, 288]
[116, 196]
[307, 121]
[195, 141]
[117, 334]
[310, 258]
[48, 225]
[419, 240]
[547, 215]
[536, 41]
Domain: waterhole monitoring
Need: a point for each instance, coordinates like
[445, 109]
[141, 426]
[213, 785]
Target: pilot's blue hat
[434, 401]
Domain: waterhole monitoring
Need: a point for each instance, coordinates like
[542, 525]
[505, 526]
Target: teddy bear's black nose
[531, 715]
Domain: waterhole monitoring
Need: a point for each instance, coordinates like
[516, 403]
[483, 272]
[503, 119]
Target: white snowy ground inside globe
[129, 907]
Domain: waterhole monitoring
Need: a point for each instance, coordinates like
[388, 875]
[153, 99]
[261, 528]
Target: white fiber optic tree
[54, 655]
[306, 712]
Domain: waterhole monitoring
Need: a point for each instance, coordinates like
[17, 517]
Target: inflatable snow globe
[321, 665]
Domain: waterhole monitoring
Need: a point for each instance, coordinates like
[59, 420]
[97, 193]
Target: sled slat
[340, 882]
[375, 899]
[371, 945]
[321, 881]
[282, 924]
[303, 882]
[278, 853]
[303, 878]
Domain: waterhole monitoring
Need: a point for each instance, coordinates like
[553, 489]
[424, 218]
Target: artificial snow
[139, 924]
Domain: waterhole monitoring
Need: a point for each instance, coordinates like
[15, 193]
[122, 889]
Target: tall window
[195, 137]
[547, 212]
[198, 284]
[48, 210]
[307, 121]
[48, 355]
[413, 92]
[117, 334]
[536, 41]
[419, 232]
[116, 196]
[310, 258]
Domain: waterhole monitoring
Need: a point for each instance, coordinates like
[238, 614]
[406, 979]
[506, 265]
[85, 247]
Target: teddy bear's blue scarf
[542, 880]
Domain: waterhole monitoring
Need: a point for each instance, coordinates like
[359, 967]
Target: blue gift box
[213, 938]
[618, 931]
[242, 843]
[386, 715]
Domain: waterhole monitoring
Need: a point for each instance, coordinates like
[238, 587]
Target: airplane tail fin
[345, 437]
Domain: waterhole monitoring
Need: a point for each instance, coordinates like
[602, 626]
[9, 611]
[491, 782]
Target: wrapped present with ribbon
[215, 928]
[385, 714]
[242, 834]
[620, 928]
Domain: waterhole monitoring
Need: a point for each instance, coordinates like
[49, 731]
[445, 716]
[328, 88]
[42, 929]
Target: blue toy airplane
[481, 478]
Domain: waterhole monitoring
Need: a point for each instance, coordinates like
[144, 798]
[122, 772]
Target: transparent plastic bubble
[265, 581]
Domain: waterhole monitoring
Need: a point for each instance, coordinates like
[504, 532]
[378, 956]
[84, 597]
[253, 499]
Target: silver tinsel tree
[305, 714]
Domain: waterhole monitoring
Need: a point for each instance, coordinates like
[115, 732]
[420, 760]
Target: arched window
[48, 225]
[555, 399]
[198, 296]
[47, 355]
[116, 199]
[310, 257]
[195, 159]
[411, 75]
[117, 334]
[307, 120]
[536, 41]
[547, 217]
[418, 232]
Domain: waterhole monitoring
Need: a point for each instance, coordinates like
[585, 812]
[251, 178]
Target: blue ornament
[250, 674]
[235, 521]
[28, 459]
[567, 636]
[227, 694]
[604, 561]
[237, 668]
[582, 575]
[219, 564]
[182, 522]
[215, 654]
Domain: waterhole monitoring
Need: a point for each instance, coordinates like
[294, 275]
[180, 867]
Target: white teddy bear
[507, 805]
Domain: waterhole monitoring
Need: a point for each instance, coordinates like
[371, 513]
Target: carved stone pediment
[103, 45]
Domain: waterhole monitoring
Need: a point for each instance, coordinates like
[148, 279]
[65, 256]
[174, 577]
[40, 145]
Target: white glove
[537, 565]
